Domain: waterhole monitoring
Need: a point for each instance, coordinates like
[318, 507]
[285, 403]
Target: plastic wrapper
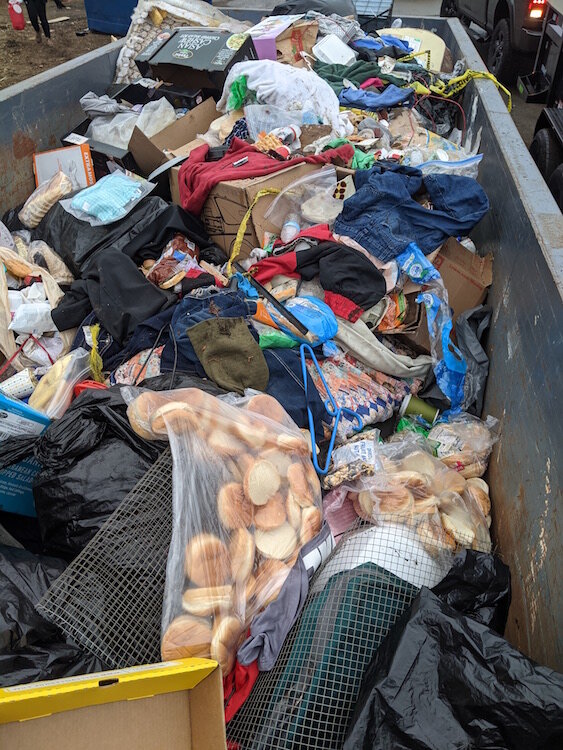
[263, 118]
[109, 200]
[412, 483]
[11, 264]
[54, 393]
[464, 443]
[116, 131]
[310, 198]
[42, 255]
[250, 500]
[44, 198]
[178, 257]
[478, 691]
[468, 167]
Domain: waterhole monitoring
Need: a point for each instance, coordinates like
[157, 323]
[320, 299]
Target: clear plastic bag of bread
[43, 199]
[245, 499]
[464, 443]
[413, 484]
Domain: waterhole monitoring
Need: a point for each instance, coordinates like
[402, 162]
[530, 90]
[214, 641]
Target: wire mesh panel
[372, 576]
[374, 7]
[109, 599]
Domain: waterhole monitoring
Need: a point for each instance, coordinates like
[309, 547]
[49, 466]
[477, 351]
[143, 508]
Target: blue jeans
[383, 216]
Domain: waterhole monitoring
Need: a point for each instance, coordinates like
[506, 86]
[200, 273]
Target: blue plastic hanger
[331, 406]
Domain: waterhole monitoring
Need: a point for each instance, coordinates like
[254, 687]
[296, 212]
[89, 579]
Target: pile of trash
[242, 375]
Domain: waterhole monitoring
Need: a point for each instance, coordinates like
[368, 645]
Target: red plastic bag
[16, 15]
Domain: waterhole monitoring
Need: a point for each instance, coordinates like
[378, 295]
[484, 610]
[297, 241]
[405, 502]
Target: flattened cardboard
[149, 153]
[174, 705]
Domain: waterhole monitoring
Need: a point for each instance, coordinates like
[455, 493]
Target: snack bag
[464, 443]
[246, 498]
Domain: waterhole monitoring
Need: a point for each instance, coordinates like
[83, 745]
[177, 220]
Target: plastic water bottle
[290, 228]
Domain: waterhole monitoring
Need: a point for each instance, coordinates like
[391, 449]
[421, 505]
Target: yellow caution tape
[447, 89]
[96, 363]
[415, 55]
[242, 228]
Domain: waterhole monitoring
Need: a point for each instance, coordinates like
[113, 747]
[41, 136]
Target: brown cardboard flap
[208, 713]
[149, 152]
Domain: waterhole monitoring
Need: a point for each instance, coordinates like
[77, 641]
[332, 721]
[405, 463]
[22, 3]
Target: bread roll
[175, 416]
[206, 601]
[225, 443]
[476, 482]
[426, 504]
[433, 536]
[313, 479]
[448, 481]
[364, 504]
[278, 543]
[233, 507]
[398, 500]
[293, 444]
[280, 460]
[293, 510]
[140, 410]
[241, 551]
[227, 633]
[420, 462]
[299, 485]
[310, 525]
[186, 637]
[416, 482]
[207, 561]
[271, 515]
[269, 407]
[261, 482]
[480, 498]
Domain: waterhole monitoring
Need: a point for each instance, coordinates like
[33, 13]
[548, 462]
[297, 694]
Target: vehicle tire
[502, 59]
[555, 184]
[449, 9]
[546, 152]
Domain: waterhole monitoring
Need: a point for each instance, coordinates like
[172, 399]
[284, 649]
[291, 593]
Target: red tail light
[536, 8]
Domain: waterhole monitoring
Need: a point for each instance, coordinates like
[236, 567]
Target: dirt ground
[20, 55]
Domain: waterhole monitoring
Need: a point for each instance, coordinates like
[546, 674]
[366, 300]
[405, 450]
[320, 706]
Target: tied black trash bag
[31, 648]
[91, 459]
[444, 679]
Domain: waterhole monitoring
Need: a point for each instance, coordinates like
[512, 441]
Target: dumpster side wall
[524, 230]
[36, 112]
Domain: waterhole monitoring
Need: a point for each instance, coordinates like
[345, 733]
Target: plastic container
[331, 49]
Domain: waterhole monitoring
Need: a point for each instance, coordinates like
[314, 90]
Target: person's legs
[42, 12]
[33, 19]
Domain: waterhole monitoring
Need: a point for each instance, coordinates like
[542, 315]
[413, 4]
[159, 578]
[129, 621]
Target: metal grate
[374, 8]
[109, 599]
[307, 700]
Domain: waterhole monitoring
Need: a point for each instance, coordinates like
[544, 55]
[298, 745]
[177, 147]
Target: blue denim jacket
[384, 218]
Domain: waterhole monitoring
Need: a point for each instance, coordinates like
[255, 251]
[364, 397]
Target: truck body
[524, 231]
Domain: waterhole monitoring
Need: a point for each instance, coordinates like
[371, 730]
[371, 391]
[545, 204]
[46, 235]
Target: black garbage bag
[90, 459]
[443, 679]
[470, 328]
[31, 648]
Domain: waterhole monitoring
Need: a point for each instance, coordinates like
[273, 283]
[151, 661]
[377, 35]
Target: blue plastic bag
[314, 314]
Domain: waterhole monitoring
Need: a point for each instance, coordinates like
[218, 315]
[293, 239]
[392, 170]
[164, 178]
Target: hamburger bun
[241, 552]
[207, 561]
[278, 544]
[268, 406]
[271, 515]
[140, 410]
[293, 511]
[207, 601]
[225, 443]
[261, 482]
[233, 507]
[292, 443]
[227, 633]
[280, 460]
[312, 519]
[299, 485]
[186, 637]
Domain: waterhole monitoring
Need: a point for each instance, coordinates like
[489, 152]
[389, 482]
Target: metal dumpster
[524, 230]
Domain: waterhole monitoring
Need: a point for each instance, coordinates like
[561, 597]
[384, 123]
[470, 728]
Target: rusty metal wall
[524, 230]
[35, 113]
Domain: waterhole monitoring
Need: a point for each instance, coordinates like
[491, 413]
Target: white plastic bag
[109, 200]
[306, 197]
[155, 116]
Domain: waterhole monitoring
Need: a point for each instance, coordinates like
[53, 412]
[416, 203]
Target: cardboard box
[228, 202]
[74, 161]
[101, 152]
[196, 57]
[16, 491]
[175, 705]
[466, 277]
[283, 38]
[150, 153]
